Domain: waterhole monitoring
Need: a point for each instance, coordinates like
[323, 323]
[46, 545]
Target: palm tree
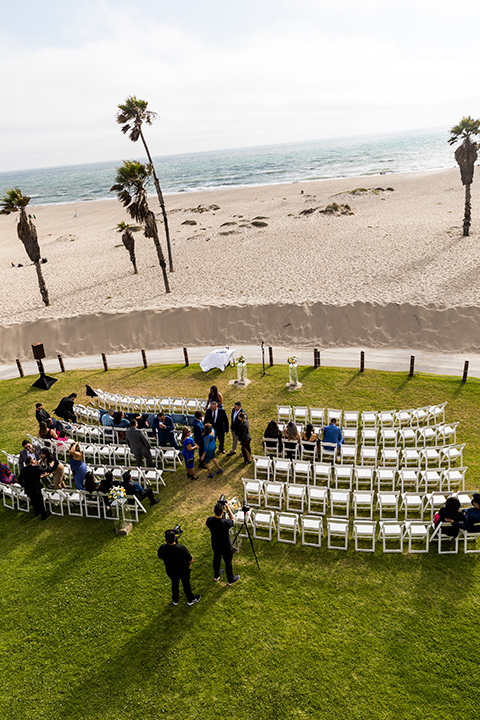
[131, 116]
[14, 201]
[465, 155]
[130, 183]
[129, 242]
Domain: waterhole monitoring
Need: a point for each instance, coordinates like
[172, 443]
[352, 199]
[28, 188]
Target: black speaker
[38, 351]
[44, 382]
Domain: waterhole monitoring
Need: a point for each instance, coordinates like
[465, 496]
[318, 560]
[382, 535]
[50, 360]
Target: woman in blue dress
[188, 452]
[79, 469]
[209, 449]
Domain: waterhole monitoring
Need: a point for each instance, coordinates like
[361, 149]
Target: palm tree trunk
[468, 211]
[41, 283]
[151, 231]
[161, 201]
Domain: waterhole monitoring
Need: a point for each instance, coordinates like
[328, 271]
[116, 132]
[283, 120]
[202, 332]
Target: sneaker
[195, 600]
[210, 475]
[235, 579]
[218, 576]
[174, 603]
[232, 452]
[218, 471]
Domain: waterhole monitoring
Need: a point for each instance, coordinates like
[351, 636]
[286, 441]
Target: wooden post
[60, 362]
[185, 355]
[362, 361]
[40, 367]
[144, 359]
[316, 358]
[465, 371]
[104, 360]
[270, 355]
[20, 369]
[412, 365]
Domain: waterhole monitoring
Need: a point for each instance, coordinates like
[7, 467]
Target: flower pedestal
[242, 380]
[122, 524]
[293, 383]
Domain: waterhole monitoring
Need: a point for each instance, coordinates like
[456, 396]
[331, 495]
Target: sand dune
[256, 263]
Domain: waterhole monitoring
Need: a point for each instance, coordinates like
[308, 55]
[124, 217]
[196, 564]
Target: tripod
[245, 514]
[263, 360]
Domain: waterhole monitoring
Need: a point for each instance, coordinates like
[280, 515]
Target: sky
[224, 74]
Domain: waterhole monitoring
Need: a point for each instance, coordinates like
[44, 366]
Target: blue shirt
[107, 420]
[332, 434]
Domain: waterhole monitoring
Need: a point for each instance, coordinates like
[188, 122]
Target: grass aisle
[88, 629]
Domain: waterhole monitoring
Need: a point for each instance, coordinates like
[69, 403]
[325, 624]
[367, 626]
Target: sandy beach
[255, 263]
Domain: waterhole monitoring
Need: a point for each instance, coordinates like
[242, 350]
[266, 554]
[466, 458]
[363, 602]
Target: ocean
[264, 165]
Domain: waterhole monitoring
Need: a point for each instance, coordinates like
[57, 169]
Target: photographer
[178, 563]
[219, 527]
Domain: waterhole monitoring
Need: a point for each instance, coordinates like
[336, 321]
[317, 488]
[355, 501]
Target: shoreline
[269, 249]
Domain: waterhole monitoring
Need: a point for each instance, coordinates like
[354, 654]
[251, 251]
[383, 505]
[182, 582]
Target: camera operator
[178, 563]
[219, 527]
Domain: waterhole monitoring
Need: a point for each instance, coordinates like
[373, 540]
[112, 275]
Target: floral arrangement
[117, 493]
[241, 360]
[292, 360]
[235, 504]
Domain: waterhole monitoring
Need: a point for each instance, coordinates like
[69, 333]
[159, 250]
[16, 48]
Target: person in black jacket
[234, 424]
[30, 478]
[217, 417]
[43, 416]
[243, 433]
[219, 527]
[178, 563]
[65, 408]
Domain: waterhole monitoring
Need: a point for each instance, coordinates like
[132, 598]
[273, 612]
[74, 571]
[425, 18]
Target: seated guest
[214, 396]
[119, 419]
[134, 488]
[27, 451]
[65, 408]
[52, 466]
[43, 416]
[107, 419]
[163, 430]
[292, 439]
[188, 452]
[450, 513]
[30, 478]
[106, 483]
[272, 431]
[471, 516]
[47, 433]
[90, 484]
[309, 435]
[142, 420]
[332, 433]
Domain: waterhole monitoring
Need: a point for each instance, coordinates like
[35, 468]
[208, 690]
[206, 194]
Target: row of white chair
[393, 534]
[362, 477]
[138, 403]
[338, 502]
[415, 417]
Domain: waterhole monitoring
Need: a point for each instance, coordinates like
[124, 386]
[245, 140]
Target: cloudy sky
[226, 74]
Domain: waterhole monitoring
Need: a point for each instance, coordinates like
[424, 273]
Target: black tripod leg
[244, 524]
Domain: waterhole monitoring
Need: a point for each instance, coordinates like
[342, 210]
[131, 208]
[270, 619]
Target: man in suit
[138, 443]
[197, 427]
[235, 424]
[27, 451]
[217, 417]
[163, 428]
[65, 408]
[43, 416]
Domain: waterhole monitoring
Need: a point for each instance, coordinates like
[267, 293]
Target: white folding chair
[385, 478]
[368, 455]
[308, 451]
[342, 477]
[287, 527]
[281, 469]
[416, 532]
[350, 419]
[300, 414]
[472, 536]
[253, 492]
[302, 471]
[364, 478]
[436, 414]
[334, 414]
[412, 502]
[317, 416]
[387, 502]
[74, 503]
[369, 436]
[391, 531]
[322, 473]
[430, 481]
[408, 436]
[9, 493]
[362, 501]
[348, 454]
[430, 457]
[261, 467]
[364, 531]
[388, 437]
[274, 495]
[56, 500]
[350, 435]
[409, 480]
[447, 433]
[263, 524]
[284, 413]
[404, 417]
[369, 419]
[311, 527]
[295, 495]
[453, 479]
[337, 529]
[451, 454]
[92, 505]
[387, 418]
[447, 544]
[434, 501]
[410, 457]
[22, 500]
[271, 447]
[390, 457]
[291, 449]
[340, 503]
[328, 452]
[317, 500]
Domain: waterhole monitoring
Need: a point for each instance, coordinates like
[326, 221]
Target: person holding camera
[178, 563]
[219, 527]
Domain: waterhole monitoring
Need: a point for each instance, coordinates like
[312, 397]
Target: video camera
[177, 531]
[234, 504]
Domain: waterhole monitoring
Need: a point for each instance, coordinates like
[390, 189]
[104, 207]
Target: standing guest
[217, 417]
[209, 447]
[79, 469]
[65, 408]
[163, 430]
[134, 488]
[30, 478]
[188, 452]
[243, 433]
[197, 426]
[214, 396]
[237, 408]
[27, 451]
[52, 466]
[178, 563]
[471, 516]
[43, 416]
[138, 443]
[219, 527]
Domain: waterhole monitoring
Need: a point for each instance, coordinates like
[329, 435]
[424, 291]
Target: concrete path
[393, 360]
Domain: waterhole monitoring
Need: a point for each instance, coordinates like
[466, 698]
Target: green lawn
[88, 629]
